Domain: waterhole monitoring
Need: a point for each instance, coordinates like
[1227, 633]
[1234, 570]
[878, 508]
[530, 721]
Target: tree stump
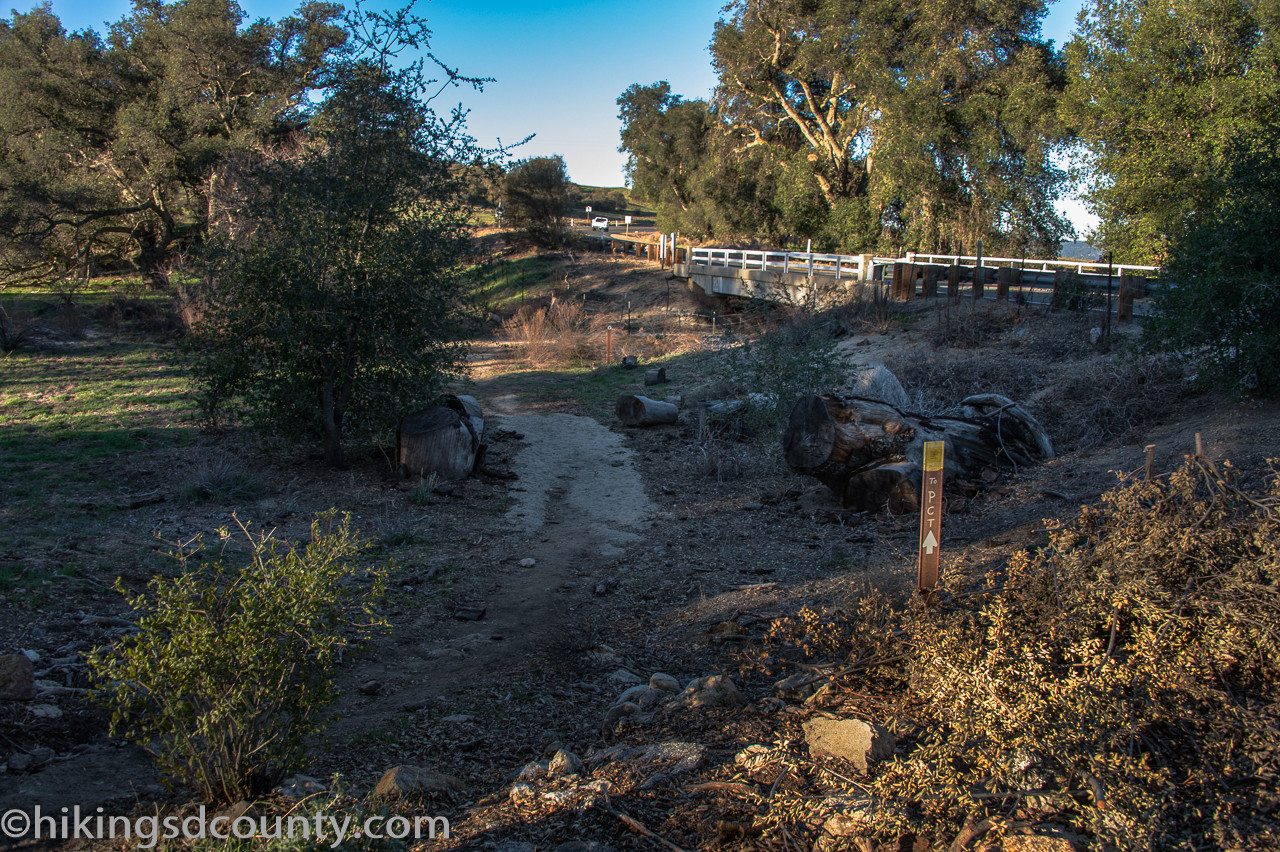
[635, 410]
[870, 453]
[655, 376]
[447, 440]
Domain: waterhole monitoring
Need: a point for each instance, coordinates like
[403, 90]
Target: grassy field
[71, 423]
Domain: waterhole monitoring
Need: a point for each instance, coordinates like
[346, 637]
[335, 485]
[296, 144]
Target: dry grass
[560, 334]
[564, 334]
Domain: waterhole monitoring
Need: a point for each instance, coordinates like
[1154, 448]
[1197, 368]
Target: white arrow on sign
[930, 543]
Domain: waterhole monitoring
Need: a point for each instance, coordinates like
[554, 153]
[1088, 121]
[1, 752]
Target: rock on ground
[17, 678]
[406, 780]
[861, 743]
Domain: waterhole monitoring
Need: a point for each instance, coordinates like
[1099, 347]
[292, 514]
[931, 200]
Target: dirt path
[579, 501]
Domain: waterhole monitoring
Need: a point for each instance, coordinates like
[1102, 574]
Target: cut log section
[655, 376]
[870, 453]
[634, 410]
[447, 440]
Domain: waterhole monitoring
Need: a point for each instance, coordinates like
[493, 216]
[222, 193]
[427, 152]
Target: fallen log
[870, 453]
[635, 410]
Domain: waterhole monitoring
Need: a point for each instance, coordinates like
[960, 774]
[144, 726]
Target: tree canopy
[333, 302]
[535, 193]
[865, 124]
[110, 150]
[1162, 93]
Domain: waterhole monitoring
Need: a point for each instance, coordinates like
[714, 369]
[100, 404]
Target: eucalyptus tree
[924, 124]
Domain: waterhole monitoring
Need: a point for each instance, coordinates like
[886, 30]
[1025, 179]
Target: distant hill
[1079, 250]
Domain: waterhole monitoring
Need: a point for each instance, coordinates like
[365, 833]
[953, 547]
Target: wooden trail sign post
[930, 516]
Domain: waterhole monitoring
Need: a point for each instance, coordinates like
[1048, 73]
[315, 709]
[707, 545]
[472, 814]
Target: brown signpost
[931, 516]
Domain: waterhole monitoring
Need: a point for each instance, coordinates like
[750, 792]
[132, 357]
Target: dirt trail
[579, 502]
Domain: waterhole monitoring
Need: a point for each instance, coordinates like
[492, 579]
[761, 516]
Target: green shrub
[767, 375]
[1220, 292]
[231, 668]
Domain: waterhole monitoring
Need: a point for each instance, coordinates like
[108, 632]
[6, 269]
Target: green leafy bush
[231, 668]
[1220, 292]
[768, 374]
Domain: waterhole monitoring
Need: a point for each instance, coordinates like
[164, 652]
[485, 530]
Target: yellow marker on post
[930, 516]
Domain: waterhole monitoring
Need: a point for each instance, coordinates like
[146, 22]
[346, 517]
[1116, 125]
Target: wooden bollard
[979, 282]
[904, 282]
[1130, 286]
[929, 287]
[1004, 278]
[953, 281]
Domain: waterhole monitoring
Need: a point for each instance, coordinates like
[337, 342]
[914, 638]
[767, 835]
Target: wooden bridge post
[1130, 287]
[929, 289]
[1004, 277]
[953, 281]
[979, 279]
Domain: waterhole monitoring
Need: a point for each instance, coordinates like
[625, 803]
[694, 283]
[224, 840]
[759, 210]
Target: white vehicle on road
[600, 223]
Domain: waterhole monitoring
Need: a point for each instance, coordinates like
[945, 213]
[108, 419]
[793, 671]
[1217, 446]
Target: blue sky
[558, 66]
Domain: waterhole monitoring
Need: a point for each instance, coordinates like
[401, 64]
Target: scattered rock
[469, 613]
[854, 740]
[682, 756]
[798, 687]
[521, 793]
[752, 507]
[616, 714]
[876, 381]
[241, 808]
[33, 656]
[623, 677]
[45, 711]
[533, 771]
[457, 719]
[17, 678]
[415, 706]
[299, 787]
[710, 691]
[606, 586]
[40, 755]
[664, 682]
[370, 687]
[854, 819]
[515, 846]
[565, 763]
[406, 780]
[19, 762]
[639, 694]
[528, 562]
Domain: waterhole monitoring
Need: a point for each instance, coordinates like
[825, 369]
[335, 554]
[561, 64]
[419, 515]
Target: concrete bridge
[799, 277]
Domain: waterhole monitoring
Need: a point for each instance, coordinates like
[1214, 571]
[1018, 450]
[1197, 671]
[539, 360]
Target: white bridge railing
[800, 262]
[1084, 267]
[845, 265]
